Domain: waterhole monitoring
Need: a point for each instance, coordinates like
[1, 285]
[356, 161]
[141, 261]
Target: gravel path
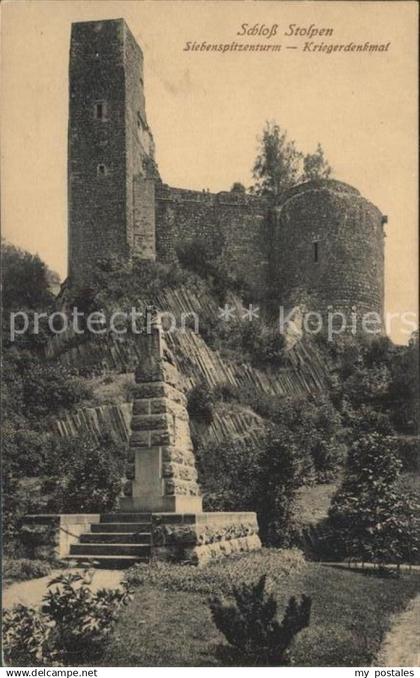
[401, 646]
[32, 591]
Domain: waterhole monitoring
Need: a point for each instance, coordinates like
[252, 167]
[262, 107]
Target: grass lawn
[168, 622]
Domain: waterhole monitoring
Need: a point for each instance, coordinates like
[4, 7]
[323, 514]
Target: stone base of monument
[123, 539]
[198, 538]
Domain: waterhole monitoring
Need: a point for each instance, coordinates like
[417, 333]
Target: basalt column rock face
[161, 464]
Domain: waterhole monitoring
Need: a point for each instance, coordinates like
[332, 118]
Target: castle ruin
[322, 237]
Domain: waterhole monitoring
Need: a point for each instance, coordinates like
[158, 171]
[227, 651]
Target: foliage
[314, 426]
[282, 469]
[303, 441]
[345, 604]
[371, 521]
[219, 576]
[19, 569]
[205, 261]
[251, 628]
[237, 187]
[404, 389]
[255, 475]
[377, 380]
[254, 342]
[263, 345]
[26, 287]
[26, 279]
[20, 496]
[72, 628]
[118, 286]
[201, 403]
[408, 451]
[315, 166]
[276, 167]
[229, 474]
[33, 388]
[92, 478]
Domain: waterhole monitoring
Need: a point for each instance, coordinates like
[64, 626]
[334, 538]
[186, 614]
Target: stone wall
[201, 537]
[47, 536]
[273, 250]
[329, 241]
[232, 227]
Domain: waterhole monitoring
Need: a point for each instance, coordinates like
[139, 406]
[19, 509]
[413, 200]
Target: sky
[207, 108]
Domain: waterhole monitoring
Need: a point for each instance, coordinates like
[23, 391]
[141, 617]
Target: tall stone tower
[111, 169]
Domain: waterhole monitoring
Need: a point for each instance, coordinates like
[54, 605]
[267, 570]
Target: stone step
[120, 527]
[115, 538]
[126, 518]
[120, 549]
[108, 562]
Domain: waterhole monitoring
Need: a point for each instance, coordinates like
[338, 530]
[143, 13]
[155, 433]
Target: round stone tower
[328, 242]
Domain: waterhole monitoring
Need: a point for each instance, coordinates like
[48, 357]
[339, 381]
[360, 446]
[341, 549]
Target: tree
[281, 474]
[315, 166]
[237, 187]
[201, 403]
[229, 473]
[251, 627]
[93, 475]
[370, 519]
[26, 280]
[276, 167]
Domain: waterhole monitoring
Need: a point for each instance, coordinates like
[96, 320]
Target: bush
[282, 471]
[228, 473]
[26, 279]
[370, 519]
[204, 260]
[36, 389]
[315, 427]
[93, 476]
[72, 628]
[20, 569]
[254, 475]
[408, 451]
[250, 626]
[219, 576]
[263, 345]
[201, 404]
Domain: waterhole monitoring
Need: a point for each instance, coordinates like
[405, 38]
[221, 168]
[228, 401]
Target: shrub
[201, 404]
[408, 450]
[254, 475]
[20, 569]
[204, 260]
[226, 392]
[263, 345]
[327, 456]
[229, 474]
[219, 576]
[282, 470]
[371, 521]
[315, 427]
[72, 628]
[37, 389]
[250, 626]
[93, 476]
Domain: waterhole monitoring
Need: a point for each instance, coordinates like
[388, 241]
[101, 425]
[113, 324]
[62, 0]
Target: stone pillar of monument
[161, 465]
